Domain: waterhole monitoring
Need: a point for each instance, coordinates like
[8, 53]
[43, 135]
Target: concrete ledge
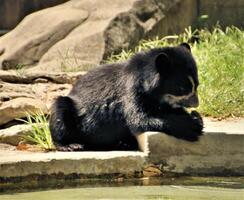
[19, 164]
[220, 151]
[216, 153]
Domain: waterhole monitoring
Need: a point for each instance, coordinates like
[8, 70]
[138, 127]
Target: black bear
[111, 105]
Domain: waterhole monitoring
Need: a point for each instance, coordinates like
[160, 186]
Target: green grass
[221, 69]
[220, 58]
[40, 133]
[20, 70]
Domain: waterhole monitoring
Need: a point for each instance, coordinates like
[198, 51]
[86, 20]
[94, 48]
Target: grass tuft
[40, 133]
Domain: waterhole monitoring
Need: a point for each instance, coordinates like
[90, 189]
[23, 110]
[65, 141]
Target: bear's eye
[182, 90]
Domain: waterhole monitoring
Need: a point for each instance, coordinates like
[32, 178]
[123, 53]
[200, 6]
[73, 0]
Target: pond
[183, 189]
[134, 192]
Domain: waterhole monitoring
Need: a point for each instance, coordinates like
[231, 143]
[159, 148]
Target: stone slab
[229, 126]
[218, 152]
[19, 164]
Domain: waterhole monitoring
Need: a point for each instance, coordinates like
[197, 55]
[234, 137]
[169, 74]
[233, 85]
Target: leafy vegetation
[219, 55]
[20, 70]
[40, 133]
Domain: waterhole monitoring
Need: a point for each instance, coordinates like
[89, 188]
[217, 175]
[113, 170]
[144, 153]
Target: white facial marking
[173, 99]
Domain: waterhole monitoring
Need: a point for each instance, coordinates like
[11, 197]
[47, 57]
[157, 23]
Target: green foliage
[219, 55]
[20, 70]
[221, 71]
[40, 133]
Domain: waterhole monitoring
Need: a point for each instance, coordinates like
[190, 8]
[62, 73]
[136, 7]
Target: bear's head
[177, 80]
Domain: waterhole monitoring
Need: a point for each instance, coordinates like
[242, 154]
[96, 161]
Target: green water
[180, 188]
[166, 192]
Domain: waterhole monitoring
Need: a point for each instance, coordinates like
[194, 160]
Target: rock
[7, 147]
[30, 92]
[45, 92]
[85, 46]
[37, 33]
[11, 91]
[12, 76]
[14, 134]
[89, 31]
[151, 170]
[19, 107]
[35, 85]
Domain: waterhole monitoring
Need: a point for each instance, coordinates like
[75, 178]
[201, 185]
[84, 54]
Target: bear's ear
[186, 45]
[162, 63]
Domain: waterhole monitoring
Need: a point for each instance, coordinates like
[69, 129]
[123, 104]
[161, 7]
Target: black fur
[109, 105]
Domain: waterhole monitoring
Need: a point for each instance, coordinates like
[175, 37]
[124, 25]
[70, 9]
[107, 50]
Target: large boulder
[79, 34]
[29, 41]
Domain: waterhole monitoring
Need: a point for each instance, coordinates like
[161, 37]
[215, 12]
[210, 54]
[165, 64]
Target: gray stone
[14, 134]
[22, 164]
[7, 147]
[13, 76]
[37, 33]
[219, 152]
[19, 107]
[44, 87]
[230, 126]
[89, 31]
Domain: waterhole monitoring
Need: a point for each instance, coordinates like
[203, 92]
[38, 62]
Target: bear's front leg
[139, 123]
[184, 125]
[181, 125]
